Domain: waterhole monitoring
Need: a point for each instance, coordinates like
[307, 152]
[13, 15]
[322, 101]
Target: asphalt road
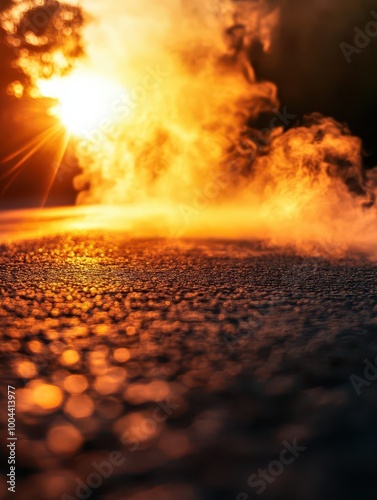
[157, 370]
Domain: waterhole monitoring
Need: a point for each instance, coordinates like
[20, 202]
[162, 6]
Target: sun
[85, 101]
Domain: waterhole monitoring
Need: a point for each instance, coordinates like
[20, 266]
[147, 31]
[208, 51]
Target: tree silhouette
[45, 39]
[36, 41]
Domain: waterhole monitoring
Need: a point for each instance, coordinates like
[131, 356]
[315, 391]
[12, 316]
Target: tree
[46, 39]
[35, 41]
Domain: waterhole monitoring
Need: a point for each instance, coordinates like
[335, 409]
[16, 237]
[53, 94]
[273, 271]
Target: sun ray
[30, 143]
[60, 154]
[15, 170]
[50, 133]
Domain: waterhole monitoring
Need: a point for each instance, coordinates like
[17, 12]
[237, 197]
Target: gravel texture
[197, 361]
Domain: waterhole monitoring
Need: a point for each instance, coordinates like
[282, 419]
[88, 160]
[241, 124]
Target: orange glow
[26, 369]
[156, 109]
[35, 346]
[111, 381]
[47, 396]
[122, 355]
[75, 384]
[165, 118]
[79, 406]
[157, 390]
[70, 357]
[84, 100]
[64, 439]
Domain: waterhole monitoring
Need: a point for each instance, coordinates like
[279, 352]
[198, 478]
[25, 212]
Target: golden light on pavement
[75, 384]
[70, 357]
[64, 439]
[26, 369]
[122, 355]
[47, 396]
[212, 284]
[81, 406]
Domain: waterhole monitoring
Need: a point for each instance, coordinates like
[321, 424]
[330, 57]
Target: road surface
[209, 370]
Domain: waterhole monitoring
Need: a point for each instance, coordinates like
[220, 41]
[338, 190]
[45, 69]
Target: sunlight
[86, 101]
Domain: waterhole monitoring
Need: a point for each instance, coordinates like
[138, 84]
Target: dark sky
[305, 61]
[312, 72]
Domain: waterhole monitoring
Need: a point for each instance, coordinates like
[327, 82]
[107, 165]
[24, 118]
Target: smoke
[310, 188]
[183, 135]
[189, 90]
